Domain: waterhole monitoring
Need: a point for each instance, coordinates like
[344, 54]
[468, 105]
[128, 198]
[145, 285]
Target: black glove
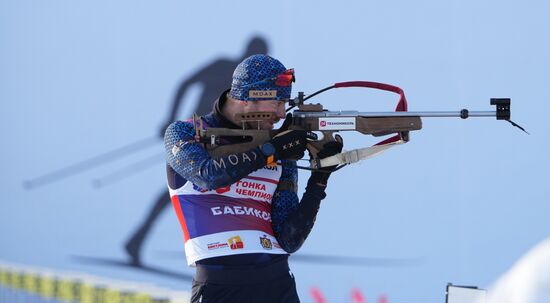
[329, 149]
[290, 144]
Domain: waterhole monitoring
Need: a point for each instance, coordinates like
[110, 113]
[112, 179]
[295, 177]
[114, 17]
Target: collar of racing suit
[217, 114]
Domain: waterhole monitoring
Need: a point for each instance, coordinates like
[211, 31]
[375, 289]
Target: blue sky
[465, 197]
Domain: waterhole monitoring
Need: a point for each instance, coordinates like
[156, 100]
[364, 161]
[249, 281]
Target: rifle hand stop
[503, 111]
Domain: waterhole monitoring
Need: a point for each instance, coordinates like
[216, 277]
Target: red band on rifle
[401, 105]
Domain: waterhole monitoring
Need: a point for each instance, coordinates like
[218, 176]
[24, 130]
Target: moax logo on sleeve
[262, 94]
[235, 159]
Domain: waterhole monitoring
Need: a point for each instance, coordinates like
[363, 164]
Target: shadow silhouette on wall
[214, 79]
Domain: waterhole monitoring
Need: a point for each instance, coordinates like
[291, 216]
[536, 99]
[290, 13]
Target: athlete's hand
[329, 149]
[290, 144]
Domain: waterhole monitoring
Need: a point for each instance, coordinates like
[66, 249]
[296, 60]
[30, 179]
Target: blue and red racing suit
[235, 210]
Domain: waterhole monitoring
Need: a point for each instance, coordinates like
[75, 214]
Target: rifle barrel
[460, 114]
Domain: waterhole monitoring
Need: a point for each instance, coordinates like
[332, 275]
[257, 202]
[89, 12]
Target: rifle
[314, 118]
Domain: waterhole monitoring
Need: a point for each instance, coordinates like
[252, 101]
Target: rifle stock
[384, 126]
[215, 139]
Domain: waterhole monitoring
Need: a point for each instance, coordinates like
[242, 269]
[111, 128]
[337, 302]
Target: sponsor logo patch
[268, 94]
[235, 243]
[241, 210]
[337, 123]
[216, 245]
[266, 243]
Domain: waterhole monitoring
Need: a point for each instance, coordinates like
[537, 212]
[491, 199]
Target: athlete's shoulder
[179, 129]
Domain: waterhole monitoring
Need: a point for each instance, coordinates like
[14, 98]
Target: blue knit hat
[261, 77]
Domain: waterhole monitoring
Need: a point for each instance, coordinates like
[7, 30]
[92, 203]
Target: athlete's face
[277, 108]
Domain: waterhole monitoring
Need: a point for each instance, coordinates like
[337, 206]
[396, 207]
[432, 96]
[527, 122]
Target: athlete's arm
[190, 160]
[293, 219]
